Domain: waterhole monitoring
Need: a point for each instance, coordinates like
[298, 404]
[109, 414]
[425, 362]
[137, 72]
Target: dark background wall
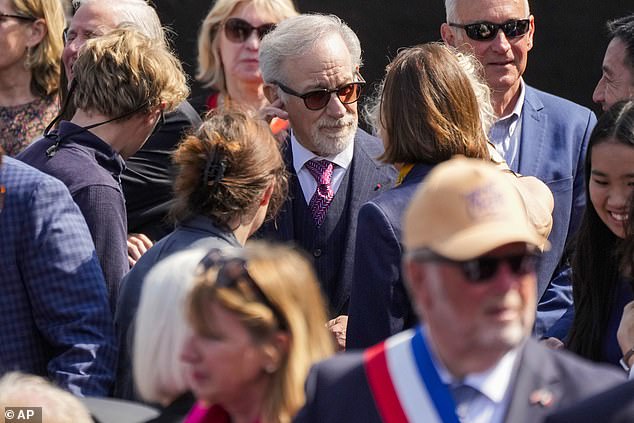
[570, 36]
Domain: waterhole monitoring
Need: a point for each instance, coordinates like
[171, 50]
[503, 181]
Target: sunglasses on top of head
[232, 271]
[481, 31]
[318, 99]
[482, 269]
[238, 30]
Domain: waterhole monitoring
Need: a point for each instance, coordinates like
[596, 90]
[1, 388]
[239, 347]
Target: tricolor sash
[404, 382]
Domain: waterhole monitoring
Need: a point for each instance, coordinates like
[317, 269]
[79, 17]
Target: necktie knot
[319, 203]
[321, 171]
[464, 396]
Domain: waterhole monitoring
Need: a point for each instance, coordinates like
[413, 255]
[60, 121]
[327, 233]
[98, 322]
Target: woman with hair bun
[230, 176]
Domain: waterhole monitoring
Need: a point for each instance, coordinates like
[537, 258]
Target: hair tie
[214, 168]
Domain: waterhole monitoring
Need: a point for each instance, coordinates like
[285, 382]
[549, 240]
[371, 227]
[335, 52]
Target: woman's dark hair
[225, 168]
[596, 260]
[429, 111]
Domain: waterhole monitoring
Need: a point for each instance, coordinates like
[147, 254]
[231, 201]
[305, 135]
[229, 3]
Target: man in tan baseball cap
[470, 269]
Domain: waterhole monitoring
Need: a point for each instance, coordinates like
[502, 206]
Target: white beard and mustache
[328, 143]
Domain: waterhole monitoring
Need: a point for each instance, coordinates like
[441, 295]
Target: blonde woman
[228, 47]
[258, 325]
[31, 45]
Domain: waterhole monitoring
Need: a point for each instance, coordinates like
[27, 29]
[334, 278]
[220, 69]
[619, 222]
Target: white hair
[297, 35]
[452, 15]
[161, 328]
[58, 406]
[475, 74]
[135, 12]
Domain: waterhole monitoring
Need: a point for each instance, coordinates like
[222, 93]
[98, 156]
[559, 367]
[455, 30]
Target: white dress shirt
[301, 155]
[506, 132]
[494, 384]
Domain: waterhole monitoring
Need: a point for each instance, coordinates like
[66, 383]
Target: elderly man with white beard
[311, 68]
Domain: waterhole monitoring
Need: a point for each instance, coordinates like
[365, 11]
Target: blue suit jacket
[368, 179]
[553, 146]
[379, 303]
[337, 389]
[614, 405]
[54, 314]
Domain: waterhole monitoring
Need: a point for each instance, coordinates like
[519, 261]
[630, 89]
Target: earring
[270, 368]
[29, 60]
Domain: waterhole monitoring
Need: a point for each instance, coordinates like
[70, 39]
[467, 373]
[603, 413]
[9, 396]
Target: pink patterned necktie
[322, 172]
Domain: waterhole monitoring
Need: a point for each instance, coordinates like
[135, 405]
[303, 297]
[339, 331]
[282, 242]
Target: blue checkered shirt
[54, 315]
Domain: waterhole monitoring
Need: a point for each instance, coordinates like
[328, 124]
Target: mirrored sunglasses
[481, 31]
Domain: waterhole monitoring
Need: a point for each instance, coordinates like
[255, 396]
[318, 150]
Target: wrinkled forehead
[328, 60]
[93, 18]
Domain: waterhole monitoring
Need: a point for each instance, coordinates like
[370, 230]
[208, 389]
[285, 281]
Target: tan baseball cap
[466, 208]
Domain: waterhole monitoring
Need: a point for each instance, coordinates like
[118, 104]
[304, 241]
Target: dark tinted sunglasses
[482, 269]
[238, 30]
[5, 16]
[233, 271]
[481, 31]
[318, 99]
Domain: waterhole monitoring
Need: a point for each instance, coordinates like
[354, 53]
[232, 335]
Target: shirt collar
[105, 155]
[519, 105]
[301, 155]
[493, 382]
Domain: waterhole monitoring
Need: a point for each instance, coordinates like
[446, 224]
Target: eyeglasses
[238, 30]
[481, 31]
[318, 99]
[232, 272]
[5, 16]
[482, 269]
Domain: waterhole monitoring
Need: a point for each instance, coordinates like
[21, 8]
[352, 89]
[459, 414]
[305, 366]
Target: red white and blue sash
[404, 382]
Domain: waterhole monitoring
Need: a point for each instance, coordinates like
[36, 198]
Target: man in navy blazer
[615, 405]
[537, 133]
[310, 65]
[470, 271]
[54, 314]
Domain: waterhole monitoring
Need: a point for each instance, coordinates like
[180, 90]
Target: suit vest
[325, 244]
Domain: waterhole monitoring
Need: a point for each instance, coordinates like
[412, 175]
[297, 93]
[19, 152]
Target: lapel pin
[542, 397]
[377, 187]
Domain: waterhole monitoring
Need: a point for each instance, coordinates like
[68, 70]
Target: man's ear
[270, 92]
[447, 34]
[416, 283]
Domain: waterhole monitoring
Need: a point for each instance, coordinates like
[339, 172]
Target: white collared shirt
[506, 132]
[493, 384]
[306, 180]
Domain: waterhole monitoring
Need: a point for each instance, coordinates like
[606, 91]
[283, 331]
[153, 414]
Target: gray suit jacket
[337, 389]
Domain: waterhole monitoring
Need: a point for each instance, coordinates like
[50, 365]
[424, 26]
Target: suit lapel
[364, 183]
[536, 388]
[533, 137]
